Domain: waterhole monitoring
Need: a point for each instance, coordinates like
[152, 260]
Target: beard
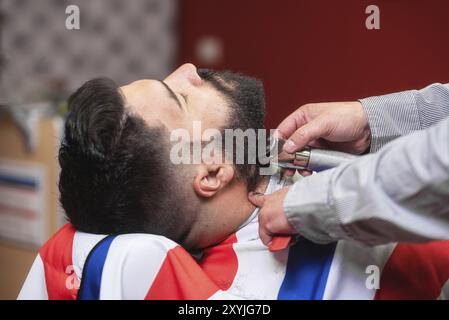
[244, 94]
[246, 101]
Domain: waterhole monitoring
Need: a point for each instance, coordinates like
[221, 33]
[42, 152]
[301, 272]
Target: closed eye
[173, 95]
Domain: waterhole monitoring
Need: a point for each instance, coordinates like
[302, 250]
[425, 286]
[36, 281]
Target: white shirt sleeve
[393, 115]
[400, 193]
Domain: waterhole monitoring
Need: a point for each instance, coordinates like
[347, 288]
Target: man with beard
[116, 173]
[189, 231]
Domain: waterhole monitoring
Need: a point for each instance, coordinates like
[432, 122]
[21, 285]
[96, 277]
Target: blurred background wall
[303, 50]
[124, 40]
[318, 50]
[42, 61]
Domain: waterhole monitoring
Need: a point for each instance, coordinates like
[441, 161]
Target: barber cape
[77, 265]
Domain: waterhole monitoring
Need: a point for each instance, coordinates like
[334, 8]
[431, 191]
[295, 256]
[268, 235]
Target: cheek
[212, 116]
[179, 122]
[218, 227]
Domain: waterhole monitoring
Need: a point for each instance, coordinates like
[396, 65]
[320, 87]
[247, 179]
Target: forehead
[138, 92]
[152, 101]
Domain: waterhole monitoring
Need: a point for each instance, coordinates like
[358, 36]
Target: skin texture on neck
[231, 203]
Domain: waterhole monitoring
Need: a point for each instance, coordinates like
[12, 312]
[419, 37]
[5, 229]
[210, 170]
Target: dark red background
[316, 50]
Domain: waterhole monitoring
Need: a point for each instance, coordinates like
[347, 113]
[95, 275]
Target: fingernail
[289, 146]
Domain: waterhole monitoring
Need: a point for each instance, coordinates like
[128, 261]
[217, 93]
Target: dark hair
[113, 166]
[246, 99]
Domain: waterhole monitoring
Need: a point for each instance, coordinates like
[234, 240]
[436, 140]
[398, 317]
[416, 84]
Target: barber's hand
[341, 126]
[272, 219]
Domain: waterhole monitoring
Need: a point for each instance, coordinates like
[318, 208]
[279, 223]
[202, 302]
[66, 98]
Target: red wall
[316, 50]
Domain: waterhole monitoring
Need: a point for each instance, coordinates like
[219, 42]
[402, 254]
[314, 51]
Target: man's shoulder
[74, 247]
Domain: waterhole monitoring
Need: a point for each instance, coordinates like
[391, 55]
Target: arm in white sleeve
[400, 193]
[393, 115]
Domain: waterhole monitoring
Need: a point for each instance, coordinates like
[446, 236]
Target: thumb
[257, 199]
[317, 128]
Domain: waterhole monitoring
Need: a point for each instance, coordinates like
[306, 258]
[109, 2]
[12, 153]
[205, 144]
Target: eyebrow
[172, 95]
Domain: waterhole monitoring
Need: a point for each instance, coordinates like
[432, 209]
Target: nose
[185, 73]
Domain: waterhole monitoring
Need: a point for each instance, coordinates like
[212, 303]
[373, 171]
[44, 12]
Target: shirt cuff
[308, 207]
[391, 116]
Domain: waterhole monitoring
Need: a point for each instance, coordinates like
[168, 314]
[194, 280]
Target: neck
[222, 216]
[237, 202]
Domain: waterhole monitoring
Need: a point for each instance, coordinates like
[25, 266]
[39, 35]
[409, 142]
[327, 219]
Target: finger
[256, 199]
[354, 147]
[291, 124]
[264, 236]
[312, 130]
[319, 143]
[285, 157]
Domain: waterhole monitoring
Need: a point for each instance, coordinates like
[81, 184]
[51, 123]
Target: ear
[212, 178]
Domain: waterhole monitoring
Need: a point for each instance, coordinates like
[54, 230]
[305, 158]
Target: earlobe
[212, 178]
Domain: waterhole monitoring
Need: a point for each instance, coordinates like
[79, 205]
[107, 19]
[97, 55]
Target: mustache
[206, 74]
[231, 83]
